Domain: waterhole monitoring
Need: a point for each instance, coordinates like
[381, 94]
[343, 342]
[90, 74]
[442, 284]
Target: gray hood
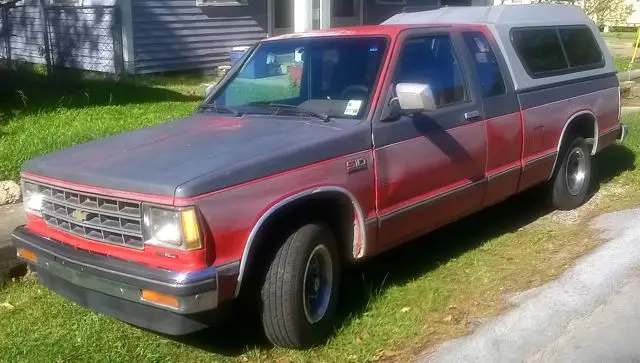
[201, 153]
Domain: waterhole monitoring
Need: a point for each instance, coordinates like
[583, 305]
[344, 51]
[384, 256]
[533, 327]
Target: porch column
[325, 14]
[301, 15]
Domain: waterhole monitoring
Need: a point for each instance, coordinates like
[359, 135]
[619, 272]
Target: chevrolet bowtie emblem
[79, 215]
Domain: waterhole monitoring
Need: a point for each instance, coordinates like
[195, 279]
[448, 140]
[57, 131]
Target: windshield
[334, 77]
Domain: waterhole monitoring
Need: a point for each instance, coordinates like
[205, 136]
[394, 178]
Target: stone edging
[10, 192]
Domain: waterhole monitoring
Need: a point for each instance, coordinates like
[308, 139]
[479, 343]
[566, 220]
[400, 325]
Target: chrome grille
[99, 218]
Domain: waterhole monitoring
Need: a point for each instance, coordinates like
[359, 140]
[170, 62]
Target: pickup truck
[318, 150]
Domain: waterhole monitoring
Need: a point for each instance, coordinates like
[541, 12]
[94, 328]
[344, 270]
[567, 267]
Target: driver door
[430, 165]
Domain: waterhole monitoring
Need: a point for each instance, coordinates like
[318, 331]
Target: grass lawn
[621, 35]
[435, 288]
[622, 63]
[39, 116]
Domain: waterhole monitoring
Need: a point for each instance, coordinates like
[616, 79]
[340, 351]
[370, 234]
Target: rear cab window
[581, 47]
[551, 51]
[487, 67]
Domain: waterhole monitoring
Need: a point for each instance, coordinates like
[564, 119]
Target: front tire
[571, 180]
[300, 290]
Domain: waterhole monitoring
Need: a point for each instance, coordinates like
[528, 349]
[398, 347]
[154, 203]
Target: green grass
[38, 115]
[621, 35]
[414, 296]
[622, 63]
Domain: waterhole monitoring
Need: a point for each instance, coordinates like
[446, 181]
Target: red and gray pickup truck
[318, 150]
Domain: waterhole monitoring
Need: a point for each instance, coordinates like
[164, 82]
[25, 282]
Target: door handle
[472, 115]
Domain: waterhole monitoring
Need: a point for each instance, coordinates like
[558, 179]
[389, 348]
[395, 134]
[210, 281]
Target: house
[146, 36]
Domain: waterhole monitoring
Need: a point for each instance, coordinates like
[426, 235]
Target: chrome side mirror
[415, 97]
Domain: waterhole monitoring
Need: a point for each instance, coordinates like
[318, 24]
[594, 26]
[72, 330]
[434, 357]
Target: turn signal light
[160, 299]
[27, 255]
[190, 229]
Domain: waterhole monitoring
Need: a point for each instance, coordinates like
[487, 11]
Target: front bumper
[113, 286]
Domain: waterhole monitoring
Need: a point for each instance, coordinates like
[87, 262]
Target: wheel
[300, 291]
[571, 181]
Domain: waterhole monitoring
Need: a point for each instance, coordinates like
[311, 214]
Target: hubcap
[576, 171]
[316, 286]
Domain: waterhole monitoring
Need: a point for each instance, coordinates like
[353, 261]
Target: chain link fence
[81, 37]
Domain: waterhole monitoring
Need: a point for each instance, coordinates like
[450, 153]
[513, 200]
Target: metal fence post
[116, 34]
[45, 34]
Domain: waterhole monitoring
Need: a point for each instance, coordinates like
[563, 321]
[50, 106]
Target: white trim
[284, 202]
[81, 3]
[77, 3]
[596, 131]
[325, 14]
[221, 3]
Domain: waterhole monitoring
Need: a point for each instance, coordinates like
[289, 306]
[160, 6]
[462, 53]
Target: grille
[99, 218]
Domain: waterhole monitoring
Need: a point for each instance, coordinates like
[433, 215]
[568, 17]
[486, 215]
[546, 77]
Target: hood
[201, 153]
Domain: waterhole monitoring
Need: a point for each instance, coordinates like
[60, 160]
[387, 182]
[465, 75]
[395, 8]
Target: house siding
[3, 30]
[80, 37]
[173, 35]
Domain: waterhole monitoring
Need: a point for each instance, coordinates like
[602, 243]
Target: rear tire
[570, 183]
[300, 291]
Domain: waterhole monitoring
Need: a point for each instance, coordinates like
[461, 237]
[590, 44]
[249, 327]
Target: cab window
[431, 60]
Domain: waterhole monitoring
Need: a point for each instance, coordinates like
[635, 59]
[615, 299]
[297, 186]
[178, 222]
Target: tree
[603, 12]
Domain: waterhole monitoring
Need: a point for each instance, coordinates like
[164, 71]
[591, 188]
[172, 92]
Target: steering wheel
[353, 91]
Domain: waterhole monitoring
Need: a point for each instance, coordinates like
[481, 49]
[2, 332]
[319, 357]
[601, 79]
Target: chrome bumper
[195, 291]
[186, 304]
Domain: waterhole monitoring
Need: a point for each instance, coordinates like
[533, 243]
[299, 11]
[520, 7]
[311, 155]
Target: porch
[287, 16]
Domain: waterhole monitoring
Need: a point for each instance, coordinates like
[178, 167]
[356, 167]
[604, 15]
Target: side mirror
[415, 97]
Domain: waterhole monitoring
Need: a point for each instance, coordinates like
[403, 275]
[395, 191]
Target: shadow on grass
[363, 283]
[26, 90]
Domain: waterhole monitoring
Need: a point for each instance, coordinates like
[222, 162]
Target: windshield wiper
[283, 106]
[222, 109]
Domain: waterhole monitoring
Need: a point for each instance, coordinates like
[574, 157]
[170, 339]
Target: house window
[455, 2]
[487, 67]
[283, 14]
[431, 60]
[392, 2]
[343, 8]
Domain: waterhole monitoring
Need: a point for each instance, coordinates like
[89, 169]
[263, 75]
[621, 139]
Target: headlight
[172, 228]
[32, 198]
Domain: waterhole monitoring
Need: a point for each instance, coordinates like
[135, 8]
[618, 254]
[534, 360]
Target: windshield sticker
[353, 107]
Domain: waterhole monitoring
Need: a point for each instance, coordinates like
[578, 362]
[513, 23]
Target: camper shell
[502, 20]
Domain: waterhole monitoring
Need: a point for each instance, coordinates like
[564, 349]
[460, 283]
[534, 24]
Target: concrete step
[11, 216]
